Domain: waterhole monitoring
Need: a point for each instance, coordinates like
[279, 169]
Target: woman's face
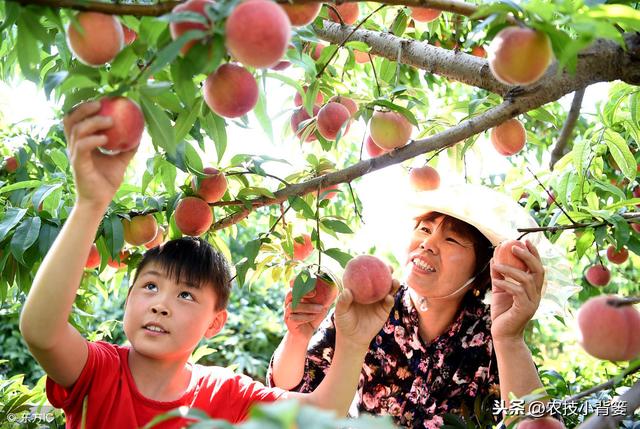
[439, 259]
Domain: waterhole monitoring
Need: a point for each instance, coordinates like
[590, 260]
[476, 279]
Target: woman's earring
[476, 292]
[423, 304]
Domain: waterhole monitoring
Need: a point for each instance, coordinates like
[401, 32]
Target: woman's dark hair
[481, 246]
[192, 260]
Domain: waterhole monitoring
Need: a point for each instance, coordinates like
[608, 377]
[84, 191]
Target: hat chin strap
[423, 305]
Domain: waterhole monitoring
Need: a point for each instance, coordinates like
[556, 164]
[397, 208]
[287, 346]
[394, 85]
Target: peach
[130, 35]
[372, 148]
[257, 33]
[389, 130]
[424, 178]
[361, 57]
[540, 423]
[598, 275]
[326, 194]
[478, 51]
[301, 14]
[211, 188]
[636, 227]
[331, 119]
[128, 124]
[349, 12]
[93, 260]
[607, 331]
[368, 278]
[96, 38]
[297, 99]
[509, 137]
[636, 193]
[299, 116]
[323, 294]
[177, 29]
[193, 216]
[122, 263]
[282, 65]
[425, 14]
[157, 240]
[519, 56]
[303, 248]
[347, 102]
[503, 254]
[617, 257]
[140, 229]
[317, 51]
[231, 91]
[11, 164]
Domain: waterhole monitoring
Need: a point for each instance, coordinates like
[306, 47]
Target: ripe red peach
[347, 102]
[509, 137]
[11, 164]
[424, 178]
[177, 29]
[361, 57]
[425, 14]
[123, 256]
[617, 257]
[368, 278]
[317, 51]
[97, 38]
[93, 260]
[257, 33]
[281, 65]
[372, 148]
[128, 124]
[541, 423]
[297, 99]
[332, 117]
[478, 51]
[636, 193]
[636, 227]
[503, 254]
[157, 240]
[299, 116]
[389, 130]
[211, 188]
[301, 14]
[302, 250]
[326, 193]
[193, 216]
[609, 332]
[519, 56]
[323, 294]
[231, 91]
[348, 11]
[140, 229]
[130, 35]
[598, 275]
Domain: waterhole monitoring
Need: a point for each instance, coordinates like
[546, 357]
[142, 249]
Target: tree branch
[569, 124]
[628, 216]
[627, 404]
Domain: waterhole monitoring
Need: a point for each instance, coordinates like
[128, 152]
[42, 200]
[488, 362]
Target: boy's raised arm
[55, 343]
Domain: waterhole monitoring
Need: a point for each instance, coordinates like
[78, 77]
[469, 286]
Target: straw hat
[498, 218]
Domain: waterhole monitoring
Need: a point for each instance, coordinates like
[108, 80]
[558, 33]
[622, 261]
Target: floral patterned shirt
[413, 381]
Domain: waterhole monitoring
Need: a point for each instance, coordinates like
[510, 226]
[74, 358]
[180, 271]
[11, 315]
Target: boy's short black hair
[193, 260]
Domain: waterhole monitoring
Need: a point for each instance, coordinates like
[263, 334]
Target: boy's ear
[216, 324]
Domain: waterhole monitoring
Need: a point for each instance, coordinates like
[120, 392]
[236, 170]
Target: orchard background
[292, 205]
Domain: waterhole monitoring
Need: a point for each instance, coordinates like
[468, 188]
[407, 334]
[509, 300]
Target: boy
[179, 295]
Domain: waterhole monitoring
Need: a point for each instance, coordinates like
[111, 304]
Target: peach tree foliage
[592, 182]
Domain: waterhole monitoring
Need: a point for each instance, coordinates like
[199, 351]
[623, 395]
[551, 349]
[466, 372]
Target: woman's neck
[436, 318]
[160, 380]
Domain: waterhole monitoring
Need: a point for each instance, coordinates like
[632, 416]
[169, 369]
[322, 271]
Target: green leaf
[158, 124]
[26, 234]
[171, 52]
[20, 185]
[215, 127]
[300, 205]
[584, 242]
[42, 192]
[621, 230]
[48, 234]
[183, 83]
[250, 252]
[186, 119]
[113, 234]
[580, 155]
[303, 284]
[27, 49]
[621, 153]
[260, 110]
[11, 218]
[336, 225]
[338, 255]
[402, 110]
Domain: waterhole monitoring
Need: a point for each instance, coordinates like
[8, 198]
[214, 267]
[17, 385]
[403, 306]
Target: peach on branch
[478, 51]
[177, 29]
[607, 331]
[317, 51]
[347, 102]
[598, 275]
[95, 38]
[140, 229]
[372, 148]
[157, 240]
[298, 117]
[302, 247]
[389, 130]
[324, 293]
[509, 137]
[193, 216]
[519, 56]
[617, 257]
[503, 254]
[257, 33]
[281, 65]
[368, 278]
[332, 117]
[349, 12]
[635, 227]
[424, 178]
[93, 260]
[122, 263]
[361, 57]
[301, 14]
[425, 14]
[231, 91]
[327, 193]
[11, 164]
[211, 188]
[636, 193]
[130, 35]
[297, 99]
[128, 124]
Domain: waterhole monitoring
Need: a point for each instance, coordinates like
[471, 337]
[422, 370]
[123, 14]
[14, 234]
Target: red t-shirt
[114, 401]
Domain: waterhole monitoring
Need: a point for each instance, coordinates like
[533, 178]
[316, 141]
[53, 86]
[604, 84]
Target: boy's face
[166, 320]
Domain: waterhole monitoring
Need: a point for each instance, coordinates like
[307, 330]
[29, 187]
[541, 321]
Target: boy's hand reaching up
[358, 324]
[97, 176]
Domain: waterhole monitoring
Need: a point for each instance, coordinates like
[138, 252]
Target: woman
[441, 347]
